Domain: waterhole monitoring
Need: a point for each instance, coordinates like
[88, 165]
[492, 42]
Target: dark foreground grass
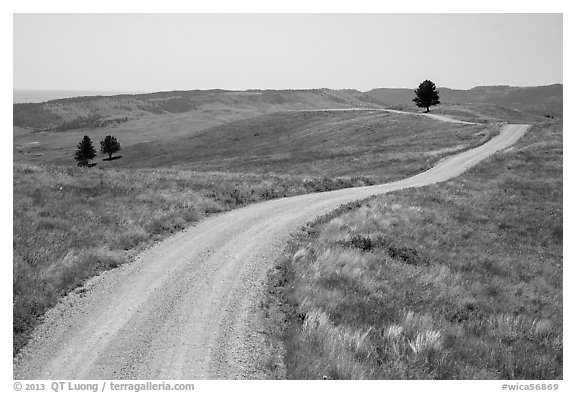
[71, 223]
[461, 280]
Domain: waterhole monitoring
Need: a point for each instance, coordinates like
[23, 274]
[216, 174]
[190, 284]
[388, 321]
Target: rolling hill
[200, 109]
[100, 111]
[164, 122]
[309, 143]
[539, 100]
[315, 143]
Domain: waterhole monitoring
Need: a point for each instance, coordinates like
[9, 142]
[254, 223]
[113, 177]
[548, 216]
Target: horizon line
[127, 91]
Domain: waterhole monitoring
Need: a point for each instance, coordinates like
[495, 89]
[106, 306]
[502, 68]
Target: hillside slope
[461, 280]
[103, 111]
[99, 111]
[541, 100]
[310, 143]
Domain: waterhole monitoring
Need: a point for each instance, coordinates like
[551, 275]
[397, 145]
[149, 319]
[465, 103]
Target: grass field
[484, 113]
[71, 223]
[328, 144]
[49, 132]
[386, 146]
[68, 112]
[58, 147]
[461, 280]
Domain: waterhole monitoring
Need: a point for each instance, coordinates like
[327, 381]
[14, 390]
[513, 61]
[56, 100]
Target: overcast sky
[152, 52]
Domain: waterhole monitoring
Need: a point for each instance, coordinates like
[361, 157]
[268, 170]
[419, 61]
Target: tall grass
[71, 223]
[461, 280]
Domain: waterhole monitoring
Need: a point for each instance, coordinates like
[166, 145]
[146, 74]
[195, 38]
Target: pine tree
[426, 95]
[109, 146]
[85, 151]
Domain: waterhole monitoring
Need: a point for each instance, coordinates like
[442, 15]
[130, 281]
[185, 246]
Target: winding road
[185, 308]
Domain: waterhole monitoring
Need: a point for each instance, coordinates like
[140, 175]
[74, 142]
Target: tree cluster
[85, 151]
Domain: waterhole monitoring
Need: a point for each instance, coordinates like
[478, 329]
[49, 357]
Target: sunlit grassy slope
[77, 112]
[344, 143]
[461, 280]
[320, 143]
[49, 131]
[538, 100]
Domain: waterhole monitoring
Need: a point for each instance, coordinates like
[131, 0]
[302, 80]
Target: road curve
[434, 116]
[185, 309]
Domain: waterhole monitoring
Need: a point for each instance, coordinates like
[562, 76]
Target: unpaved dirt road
[396, 111]
[185, 309]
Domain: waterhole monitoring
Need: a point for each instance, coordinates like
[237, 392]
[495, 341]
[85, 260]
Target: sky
[155, 52]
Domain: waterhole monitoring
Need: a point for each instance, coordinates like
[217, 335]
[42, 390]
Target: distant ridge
[100, 111]
[26, 96]
[540, 100]
[79, 112]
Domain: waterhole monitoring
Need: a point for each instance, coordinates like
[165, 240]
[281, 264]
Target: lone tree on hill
[109, 146]
[85, 151]
[426, 95]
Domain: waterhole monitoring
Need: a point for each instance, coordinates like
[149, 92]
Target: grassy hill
[101, 111]
[311, 143]
[539, 100]
[98, 111]
[45, 131]
[342, 143]
[460, 280]
[166, 124]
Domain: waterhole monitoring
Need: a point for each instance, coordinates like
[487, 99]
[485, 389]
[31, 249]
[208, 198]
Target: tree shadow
[112, 158]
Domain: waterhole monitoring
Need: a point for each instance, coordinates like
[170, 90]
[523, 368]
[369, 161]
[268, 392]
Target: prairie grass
[344, 143]
[71, 223]
[461, 280]
[318, 144]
